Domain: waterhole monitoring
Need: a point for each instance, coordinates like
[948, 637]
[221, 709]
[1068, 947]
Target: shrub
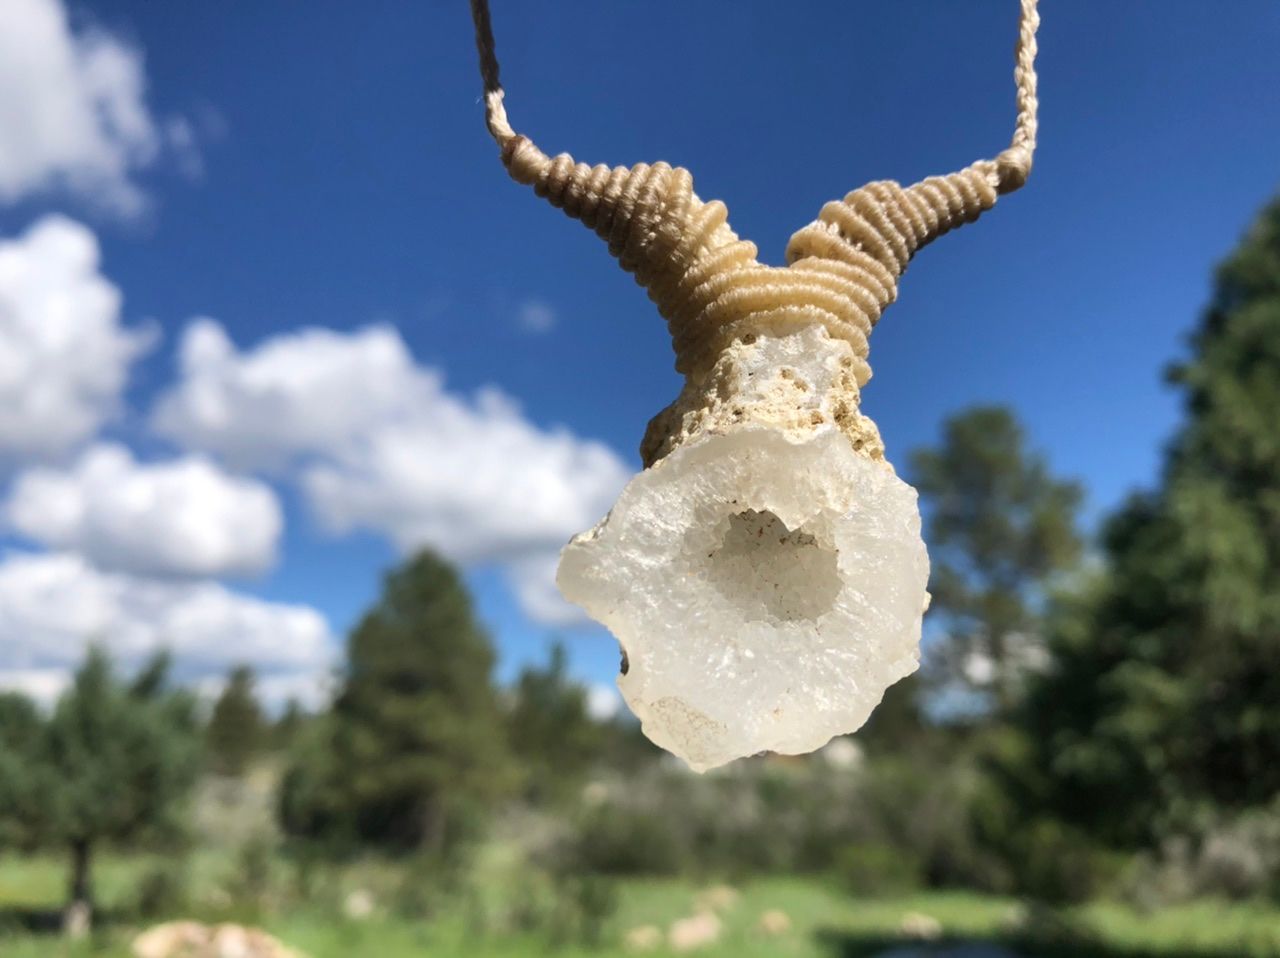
[1061, 864]
[622, 841]
[933, 811]
[1241, 857]
[873, 869]
[251, 880]
[1236, 857]
[1040, 929]
[583, 909]
[163, 891]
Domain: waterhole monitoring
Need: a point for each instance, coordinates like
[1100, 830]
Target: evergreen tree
[237, 729]
[1000, 526]
[554, 738]
[1163, 699]
[23, 778]
[115, 762]
[414, 748]
[315, 801]
[289, 726]
[898, 723]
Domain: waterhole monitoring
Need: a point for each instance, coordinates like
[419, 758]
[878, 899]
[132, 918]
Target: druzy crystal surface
[765, 589]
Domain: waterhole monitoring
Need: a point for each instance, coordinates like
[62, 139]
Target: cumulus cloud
[64, 355]
[43, 686]
[303, 393]
[533, 578]
[73, 110]
[184, 517]
[52, 605]
[535, 316]
[378, 443]
[603, 702]
[474, 479]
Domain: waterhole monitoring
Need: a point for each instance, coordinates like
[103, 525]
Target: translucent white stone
[766, 587]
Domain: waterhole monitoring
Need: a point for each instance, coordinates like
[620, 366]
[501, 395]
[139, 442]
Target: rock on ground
[719, 898]
[77, 920]
[697, 931]
[921, 926]
[643, 938]
[359, 905]
[190, 939]
[774, 922]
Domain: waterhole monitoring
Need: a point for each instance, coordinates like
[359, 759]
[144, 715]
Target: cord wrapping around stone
[842, 269]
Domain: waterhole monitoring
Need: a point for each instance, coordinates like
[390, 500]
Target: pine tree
[1000, 527]
[554, 738]
[285, 731]
[237, 729]
[1163, 699]
[414, 748]
[24, 781]
[116, 761]
[898, 724]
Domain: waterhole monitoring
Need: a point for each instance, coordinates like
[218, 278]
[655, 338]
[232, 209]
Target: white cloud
[182, 517]
[603, 702]
[533, 578]
[302, 393]
[979, 668]
[378, 443]
[73, 110]
[64, 356]
[476, 480]
[41, 685]
[535, 316]
[53, 605]
[184, 144]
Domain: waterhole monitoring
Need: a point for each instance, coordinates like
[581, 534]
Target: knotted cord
[842, 269]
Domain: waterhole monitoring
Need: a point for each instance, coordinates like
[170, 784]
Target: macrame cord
[842, 269]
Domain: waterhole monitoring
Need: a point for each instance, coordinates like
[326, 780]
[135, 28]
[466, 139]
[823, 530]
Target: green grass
[826, 923]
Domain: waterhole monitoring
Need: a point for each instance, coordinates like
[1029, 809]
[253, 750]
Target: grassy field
[824, 923]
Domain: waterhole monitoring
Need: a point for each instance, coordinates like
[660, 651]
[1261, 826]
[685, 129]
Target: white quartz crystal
[765, 578]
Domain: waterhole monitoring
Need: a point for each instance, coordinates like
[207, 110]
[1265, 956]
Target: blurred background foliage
[1095, 722]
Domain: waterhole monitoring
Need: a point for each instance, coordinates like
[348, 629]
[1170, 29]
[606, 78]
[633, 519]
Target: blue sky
[276, 167]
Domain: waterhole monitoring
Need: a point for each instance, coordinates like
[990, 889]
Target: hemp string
[842, 269]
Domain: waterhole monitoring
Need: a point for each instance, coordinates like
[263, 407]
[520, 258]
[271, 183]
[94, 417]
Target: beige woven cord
[842, 269]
